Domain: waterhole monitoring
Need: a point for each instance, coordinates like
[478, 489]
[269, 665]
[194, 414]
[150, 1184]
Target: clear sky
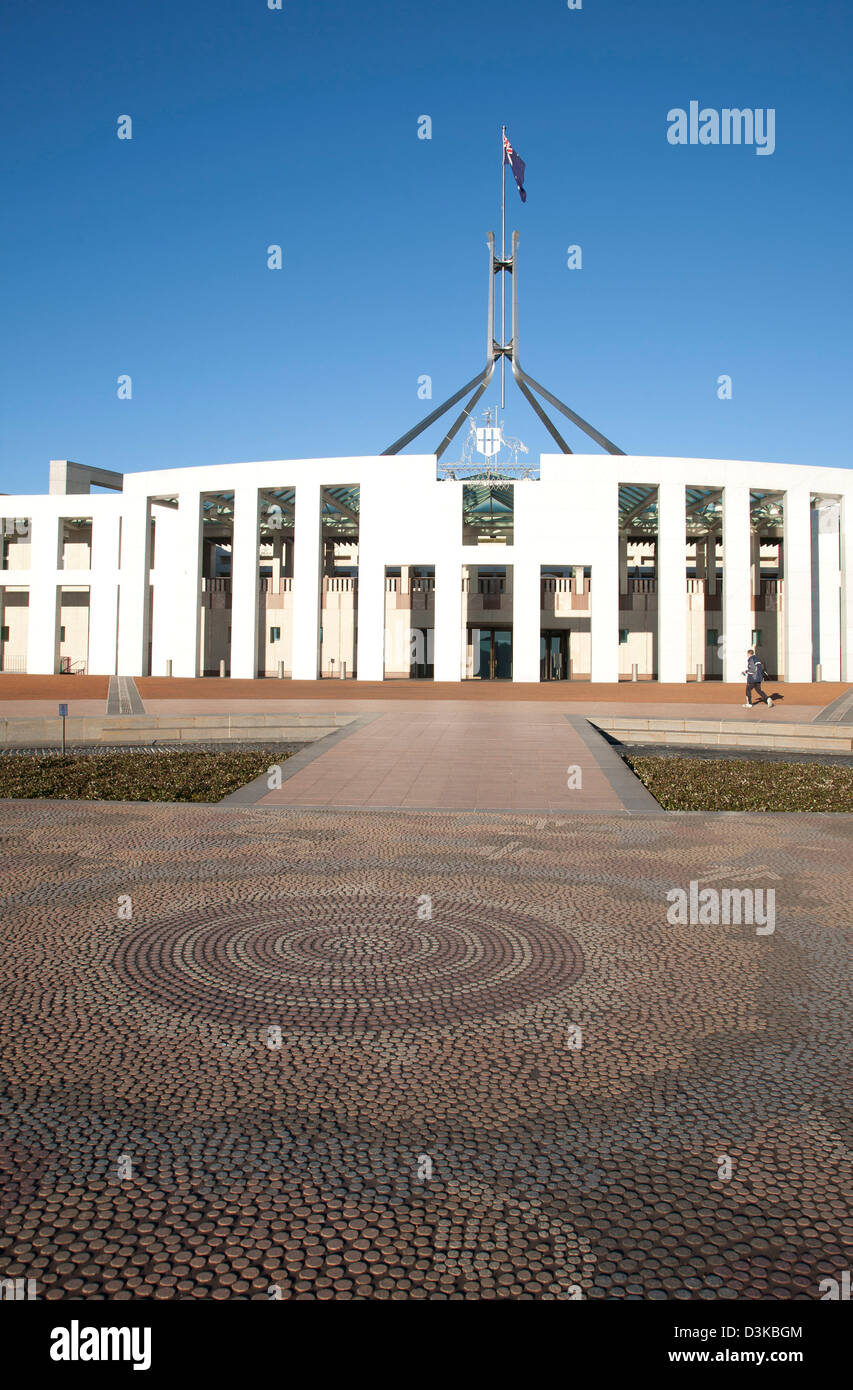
[299, 127]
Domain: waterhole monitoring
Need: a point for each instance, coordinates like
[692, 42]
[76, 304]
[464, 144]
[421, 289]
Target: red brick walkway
[629, 693]
[451, 756]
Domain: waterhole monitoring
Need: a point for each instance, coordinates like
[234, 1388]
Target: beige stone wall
[18, 549]
[74, 619]
[338, 625]
[275, 610]
[76, 555]
[14, 615]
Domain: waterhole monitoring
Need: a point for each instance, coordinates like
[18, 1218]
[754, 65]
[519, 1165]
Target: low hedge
[169, 776]
[740, 784]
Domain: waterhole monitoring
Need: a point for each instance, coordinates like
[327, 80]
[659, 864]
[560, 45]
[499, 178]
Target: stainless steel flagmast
[503, 349]
[503, 258]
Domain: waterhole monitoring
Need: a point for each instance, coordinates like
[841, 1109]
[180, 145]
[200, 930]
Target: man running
[755, 674]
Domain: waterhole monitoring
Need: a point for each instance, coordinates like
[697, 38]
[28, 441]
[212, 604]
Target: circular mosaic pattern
[344, 960]
[175, 1131]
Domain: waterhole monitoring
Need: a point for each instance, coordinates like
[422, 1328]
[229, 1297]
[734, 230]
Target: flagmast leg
[503, 272]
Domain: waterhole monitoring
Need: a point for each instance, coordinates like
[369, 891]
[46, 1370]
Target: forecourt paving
[360, 1054]
[466, 752]
[29, 696]
[514, 757]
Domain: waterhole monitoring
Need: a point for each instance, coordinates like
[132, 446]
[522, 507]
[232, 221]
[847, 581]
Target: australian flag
[516, 164]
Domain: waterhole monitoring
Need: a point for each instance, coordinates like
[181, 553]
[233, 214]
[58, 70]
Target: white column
[525, 622]
[133, 588]
[737, 588]
[829, 589]
[306, 583]
[604, 594]
[448, 620]
[672, 584]
[182, 618]
[369, 618]
[244, 584]
[43, 628]
[847, 587]
[370, 629]
[798, 585]
[103, 594]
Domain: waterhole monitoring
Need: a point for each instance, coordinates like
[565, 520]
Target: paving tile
[487, 756]
[427, 1117]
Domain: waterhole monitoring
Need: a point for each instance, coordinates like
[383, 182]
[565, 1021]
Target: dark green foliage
[698, 784]
[170, 776]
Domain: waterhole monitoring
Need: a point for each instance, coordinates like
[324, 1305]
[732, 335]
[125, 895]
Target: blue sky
[299, 127]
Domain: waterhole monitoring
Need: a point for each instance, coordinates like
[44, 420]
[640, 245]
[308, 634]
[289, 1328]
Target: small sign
[63, 710]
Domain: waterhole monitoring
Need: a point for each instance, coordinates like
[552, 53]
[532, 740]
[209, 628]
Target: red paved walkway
[22, 695]
[451, 757]
[549, 692]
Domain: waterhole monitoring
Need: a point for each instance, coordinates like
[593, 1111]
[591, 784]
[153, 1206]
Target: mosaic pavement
[341, 1054]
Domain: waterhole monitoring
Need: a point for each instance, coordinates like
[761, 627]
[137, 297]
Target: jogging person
[755, 674]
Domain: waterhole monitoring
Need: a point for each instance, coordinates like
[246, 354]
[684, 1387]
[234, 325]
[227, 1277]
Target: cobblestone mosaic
[420, 1055]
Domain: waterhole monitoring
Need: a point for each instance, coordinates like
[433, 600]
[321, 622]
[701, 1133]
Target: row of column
[123, 608]
[738, 618]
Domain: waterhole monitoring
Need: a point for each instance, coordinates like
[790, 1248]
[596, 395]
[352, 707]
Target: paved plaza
[514, 757]
[350, 1053]
[25, 696]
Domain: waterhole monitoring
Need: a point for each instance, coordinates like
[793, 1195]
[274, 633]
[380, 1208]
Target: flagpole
[503, 258]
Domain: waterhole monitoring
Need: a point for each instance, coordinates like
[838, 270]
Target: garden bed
[710, 784]
[204, 775]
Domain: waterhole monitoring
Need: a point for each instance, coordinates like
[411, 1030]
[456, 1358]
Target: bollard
[635, 672]
[222, 668]
[818, 675]
[343, 670]
[281, 670]
[700, 674]
[168, 668]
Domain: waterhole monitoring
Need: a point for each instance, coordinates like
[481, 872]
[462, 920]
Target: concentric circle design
[335, 959]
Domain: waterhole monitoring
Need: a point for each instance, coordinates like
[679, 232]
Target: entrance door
[493, 647]
[422, 665]
[502, 655]
[554, 656]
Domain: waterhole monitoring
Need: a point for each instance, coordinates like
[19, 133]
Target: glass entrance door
[502, 649]
[492, 653]
[483, 668]
[554, 656]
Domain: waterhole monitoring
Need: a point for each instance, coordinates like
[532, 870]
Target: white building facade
[602, 568]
